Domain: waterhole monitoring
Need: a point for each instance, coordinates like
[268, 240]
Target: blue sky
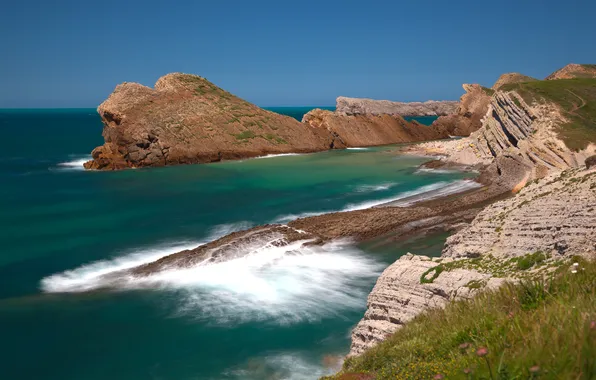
[73, 53]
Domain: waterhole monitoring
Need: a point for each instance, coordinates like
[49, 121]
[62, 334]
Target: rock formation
[519, 237]
[368, 129]
[357, 106]
[472, 107]
[573, 70]
[511, 78]
[186, 119]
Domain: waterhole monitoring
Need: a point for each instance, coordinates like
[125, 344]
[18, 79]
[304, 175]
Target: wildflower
[535, 369]
[467, 371]
[510, 315]
[482, 351]
[575, 265]
[464, 346]
[592, 325]
[574, 271]
[438, 376]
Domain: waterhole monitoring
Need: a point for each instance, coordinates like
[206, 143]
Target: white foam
[372, 188]
[75, 164]
[89, 276]
[284, 365]
[280, 155]
[357, 148]
[282, 285]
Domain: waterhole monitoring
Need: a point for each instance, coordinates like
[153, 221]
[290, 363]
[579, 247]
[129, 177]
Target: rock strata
[554, 218]
[357, 106]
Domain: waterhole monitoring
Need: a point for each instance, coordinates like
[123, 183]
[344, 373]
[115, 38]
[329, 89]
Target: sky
[284, 53]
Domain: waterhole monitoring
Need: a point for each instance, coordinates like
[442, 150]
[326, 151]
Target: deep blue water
[271, 315]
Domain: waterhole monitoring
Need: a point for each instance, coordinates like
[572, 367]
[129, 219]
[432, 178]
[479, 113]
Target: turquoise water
[273, 315]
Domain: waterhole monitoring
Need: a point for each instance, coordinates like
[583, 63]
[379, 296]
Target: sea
[271, 314]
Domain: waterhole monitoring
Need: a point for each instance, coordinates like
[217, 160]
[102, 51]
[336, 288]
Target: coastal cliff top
[574, 70]
[511, 78]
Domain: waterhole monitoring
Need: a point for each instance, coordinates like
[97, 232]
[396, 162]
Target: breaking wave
[280, 155]
[271, 283]
[89, 276]
[75, 164]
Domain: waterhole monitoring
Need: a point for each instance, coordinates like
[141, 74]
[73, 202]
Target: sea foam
[271, 283]
[75, 164]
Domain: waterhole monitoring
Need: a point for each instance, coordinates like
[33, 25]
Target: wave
[75, 164]
[357, 148]
[372, 188]
[89, 276]
[280, 155]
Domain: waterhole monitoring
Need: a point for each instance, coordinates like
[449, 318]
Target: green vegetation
[245, 135]
[535, 329]
[528, 261]
[277, 139]
[577, 99]
[488, 91]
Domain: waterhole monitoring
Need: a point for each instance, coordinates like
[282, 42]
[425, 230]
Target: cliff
[467, 119]
[525, 236]
[357, 106]
[186, 119]
[574, 70]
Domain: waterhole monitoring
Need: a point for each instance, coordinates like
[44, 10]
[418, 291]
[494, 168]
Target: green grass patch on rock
[577, 100]
[534, 329]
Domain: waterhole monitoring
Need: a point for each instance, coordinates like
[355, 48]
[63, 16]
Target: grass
[577, 99]
[535, 329]
[245, 135]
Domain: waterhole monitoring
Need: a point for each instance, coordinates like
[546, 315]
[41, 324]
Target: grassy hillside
[577, 99]
[532, 330]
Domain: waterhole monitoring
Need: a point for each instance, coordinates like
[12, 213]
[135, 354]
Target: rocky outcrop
[511, 78]
[513, 128]
[472, 108]
[545, 223]
[368, 129]
[399, 296]
[556, 216]
[186, 119]
[357, 106]
[574, 70]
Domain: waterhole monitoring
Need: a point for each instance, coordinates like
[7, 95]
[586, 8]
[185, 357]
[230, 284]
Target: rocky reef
[358, 106]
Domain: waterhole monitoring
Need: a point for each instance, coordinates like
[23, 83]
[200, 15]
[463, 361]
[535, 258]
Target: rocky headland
[574, 70]
[359, 106]
[186, 119]
[534, 145]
